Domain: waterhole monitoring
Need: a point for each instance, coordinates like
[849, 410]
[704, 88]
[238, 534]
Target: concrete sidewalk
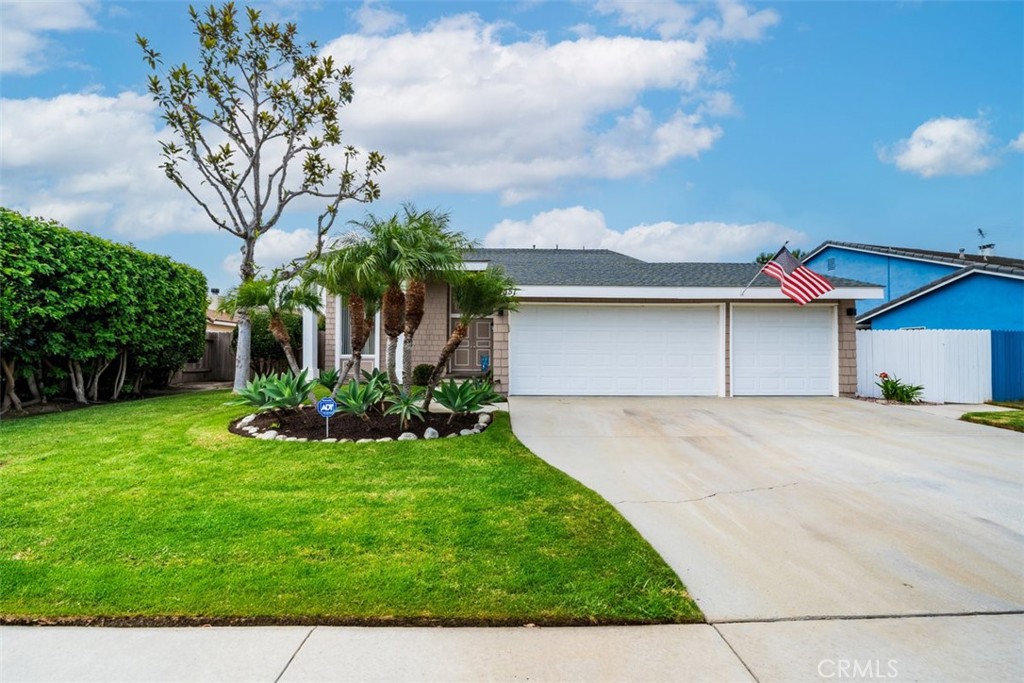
[767, 652]
[293, 654]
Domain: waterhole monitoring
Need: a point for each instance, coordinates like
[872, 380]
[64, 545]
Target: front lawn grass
[1006, 419]
[151, 512]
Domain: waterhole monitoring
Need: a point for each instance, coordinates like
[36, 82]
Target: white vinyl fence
[954, 366]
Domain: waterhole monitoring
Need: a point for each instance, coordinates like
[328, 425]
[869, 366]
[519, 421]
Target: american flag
[799, 283]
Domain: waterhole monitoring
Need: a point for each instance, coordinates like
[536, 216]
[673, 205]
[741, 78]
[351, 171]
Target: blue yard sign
[327, 407]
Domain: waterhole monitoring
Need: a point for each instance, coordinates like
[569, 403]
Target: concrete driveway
[775, 511]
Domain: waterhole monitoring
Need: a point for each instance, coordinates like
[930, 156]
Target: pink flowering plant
[893, 389]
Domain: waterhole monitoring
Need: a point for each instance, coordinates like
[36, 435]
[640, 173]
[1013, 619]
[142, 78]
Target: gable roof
[946, 257]
[968, 271]
[604, 268]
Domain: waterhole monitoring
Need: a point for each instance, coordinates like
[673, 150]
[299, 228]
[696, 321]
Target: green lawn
[153, 510]
[1007, 419]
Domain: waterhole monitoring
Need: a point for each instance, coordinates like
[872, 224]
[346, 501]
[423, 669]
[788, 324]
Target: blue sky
[668, 131]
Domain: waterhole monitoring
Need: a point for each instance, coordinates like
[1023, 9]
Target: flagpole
[762, 267]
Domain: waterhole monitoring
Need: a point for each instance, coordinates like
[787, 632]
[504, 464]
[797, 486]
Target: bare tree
[258, 106]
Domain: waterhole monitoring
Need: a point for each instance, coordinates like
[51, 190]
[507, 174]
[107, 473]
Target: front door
[473, 357]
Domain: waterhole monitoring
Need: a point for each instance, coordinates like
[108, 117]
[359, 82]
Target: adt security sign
[327, 407]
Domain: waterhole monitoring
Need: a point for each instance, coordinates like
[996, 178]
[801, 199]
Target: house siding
[979, 301]
[898, 275]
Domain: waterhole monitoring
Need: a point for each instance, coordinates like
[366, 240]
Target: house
[596, 322]
[929, 289]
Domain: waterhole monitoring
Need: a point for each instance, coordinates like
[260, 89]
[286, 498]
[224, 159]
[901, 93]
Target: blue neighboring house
[929, 289]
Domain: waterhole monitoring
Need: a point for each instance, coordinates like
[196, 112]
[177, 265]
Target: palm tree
[276, 298]
[404, 252]
[479, 295]
[339, 272]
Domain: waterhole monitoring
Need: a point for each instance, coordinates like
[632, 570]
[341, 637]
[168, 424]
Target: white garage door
[783, 351]
[637, 350]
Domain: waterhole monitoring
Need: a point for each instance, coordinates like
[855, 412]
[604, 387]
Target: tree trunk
[122, 370]
[33, 388]
[393, 311]
[94, 382]
[415, 304]
[77, 381]
[280, 333]
[456, 338]
[243, 351]
[11, 393]
[392, 350]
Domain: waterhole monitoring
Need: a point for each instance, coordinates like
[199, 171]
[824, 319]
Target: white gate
[954, 366]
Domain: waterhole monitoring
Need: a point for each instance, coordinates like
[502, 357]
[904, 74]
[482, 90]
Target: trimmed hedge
[74, 305]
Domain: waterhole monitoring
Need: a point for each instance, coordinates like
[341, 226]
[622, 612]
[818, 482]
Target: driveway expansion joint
[867, 617]
[710, 495]
[294, 654]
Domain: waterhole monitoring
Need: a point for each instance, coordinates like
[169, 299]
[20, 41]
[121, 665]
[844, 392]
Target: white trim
[835, 350]
[338, 355]
[697, 293]
[723, 349]
[945, 280]
[732, 343]
[474, 266]
[834, 371]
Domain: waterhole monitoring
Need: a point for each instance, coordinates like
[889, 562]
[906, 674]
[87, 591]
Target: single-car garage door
[629, 350]
[783, 350]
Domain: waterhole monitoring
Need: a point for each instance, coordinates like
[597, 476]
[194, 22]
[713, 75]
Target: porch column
[309, 342]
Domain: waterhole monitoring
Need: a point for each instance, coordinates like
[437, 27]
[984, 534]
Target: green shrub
[421, 374]
[893, 389]
[104, 314]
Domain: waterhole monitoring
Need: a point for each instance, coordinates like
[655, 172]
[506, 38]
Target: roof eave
[689, 293]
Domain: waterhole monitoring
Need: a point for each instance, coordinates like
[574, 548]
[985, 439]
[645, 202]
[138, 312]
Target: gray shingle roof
[604, 268]
[952, 258]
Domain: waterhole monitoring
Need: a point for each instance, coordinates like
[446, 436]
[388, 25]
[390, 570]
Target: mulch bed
[308, 424]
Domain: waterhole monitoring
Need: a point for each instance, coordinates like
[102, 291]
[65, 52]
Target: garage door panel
[614, 350]
[783, 351]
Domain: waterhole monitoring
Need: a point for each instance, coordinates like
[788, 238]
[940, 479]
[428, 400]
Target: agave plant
[329, 379]
[405, 404]
[276, 392]
[358, 399]
[465, 397]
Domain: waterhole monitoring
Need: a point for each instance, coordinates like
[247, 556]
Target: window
[831, 264]
[346, 335]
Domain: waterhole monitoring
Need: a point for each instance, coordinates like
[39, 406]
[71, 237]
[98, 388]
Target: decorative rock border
[483, 420]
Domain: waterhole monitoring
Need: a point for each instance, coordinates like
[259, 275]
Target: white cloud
[275, 248]
[91, 161]
[577, 227]
[943, 146]
[455, 108]
[375, 19]
[1017, 144]
[25, 45]
[735, 21]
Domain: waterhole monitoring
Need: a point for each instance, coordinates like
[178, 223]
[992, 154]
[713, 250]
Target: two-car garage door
[633, 350]
[671, 350]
